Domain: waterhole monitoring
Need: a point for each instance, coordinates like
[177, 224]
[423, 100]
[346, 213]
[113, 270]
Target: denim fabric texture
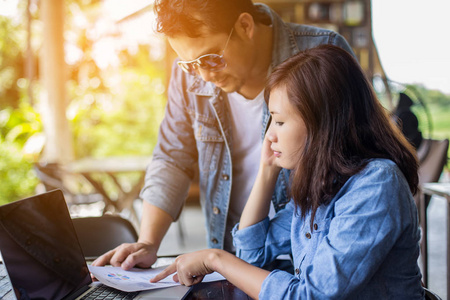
[363, 245]
[195, 133]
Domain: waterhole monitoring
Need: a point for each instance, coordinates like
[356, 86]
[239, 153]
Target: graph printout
[138, 279]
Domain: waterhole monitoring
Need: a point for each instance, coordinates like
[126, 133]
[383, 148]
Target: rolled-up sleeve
[252, 237]
[165, 187]
[169, 174]
[261, 243]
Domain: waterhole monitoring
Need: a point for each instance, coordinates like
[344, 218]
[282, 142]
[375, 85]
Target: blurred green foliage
[112, 111]
[121, 121]
[17, 179]
[11, 61]
[18, 120]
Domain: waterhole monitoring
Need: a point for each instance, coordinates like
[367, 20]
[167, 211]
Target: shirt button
[214, 241]
[308, 235]
[216, 210]
[225, 177]
[297, 271]
[316, 226]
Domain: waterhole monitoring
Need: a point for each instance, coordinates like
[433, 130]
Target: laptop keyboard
[5, 287]
[107, 293]
[99, 292]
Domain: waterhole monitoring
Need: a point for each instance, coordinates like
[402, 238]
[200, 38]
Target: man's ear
[245, 26]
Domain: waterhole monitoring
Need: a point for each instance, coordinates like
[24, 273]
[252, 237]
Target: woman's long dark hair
[346, 124]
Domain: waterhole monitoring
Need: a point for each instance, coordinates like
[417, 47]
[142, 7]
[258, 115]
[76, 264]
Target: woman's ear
[245, 26]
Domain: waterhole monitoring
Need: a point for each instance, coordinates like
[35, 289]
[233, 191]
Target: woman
[352, 225]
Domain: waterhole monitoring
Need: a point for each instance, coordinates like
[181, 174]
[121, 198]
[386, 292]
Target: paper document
[138, 279]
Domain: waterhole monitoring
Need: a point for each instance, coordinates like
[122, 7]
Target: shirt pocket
[312, 239]
[320, 231]
[209, 143]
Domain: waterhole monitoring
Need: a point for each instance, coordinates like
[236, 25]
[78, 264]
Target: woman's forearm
[192, 267]
[246, 277]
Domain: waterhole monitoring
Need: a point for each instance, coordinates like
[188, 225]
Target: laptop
[42, 257]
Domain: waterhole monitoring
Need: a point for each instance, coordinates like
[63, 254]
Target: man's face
[237, 56]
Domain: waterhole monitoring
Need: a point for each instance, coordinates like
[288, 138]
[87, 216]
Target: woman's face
[287, 131]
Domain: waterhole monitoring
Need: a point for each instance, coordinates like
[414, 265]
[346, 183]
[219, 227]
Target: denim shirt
[195, 133]
[364, 244]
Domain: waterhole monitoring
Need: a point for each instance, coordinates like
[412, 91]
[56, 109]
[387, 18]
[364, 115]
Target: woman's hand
[268, 157]
[258, 203]
[191, 268]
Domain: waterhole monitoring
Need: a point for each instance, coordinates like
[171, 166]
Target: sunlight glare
[8, 8]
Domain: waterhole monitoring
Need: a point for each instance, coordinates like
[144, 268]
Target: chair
[98, 235]
[432, 155]
[429, 295]
[76, 190]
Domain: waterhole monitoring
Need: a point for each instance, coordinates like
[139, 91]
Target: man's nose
[205, 74]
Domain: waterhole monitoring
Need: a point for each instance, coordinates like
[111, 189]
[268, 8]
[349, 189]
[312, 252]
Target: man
[407, 120]
[216, 116]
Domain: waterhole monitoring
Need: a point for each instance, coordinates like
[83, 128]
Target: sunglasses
[207, 62]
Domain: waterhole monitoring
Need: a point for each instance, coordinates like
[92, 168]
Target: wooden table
[103, 171]
[442, 190]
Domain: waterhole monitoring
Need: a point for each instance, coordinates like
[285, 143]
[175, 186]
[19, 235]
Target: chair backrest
[432, 156]
[50, 175]
[75, 188]
[98, 235]
[429, 295]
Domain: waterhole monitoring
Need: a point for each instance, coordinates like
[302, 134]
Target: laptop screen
[40, 248]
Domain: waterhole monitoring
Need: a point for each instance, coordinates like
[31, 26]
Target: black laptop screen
[40, 248]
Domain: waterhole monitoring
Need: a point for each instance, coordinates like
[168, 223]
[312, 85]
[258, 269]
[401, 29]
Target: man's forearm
[166, 186]
[154, 224]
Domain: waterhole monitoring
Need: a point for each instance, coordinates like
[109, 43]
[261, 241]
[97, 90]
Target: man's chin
[229, 88]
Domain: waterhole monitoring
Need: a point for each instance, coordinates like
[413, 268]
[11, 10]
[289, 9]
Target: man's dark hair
[189, 17]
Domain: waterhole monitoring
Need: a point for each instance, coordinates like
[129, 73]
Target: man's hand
[128, 256]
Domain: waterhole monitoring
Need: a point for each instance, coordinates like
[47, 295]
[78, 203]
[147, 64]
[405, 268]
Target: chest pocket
[313, 239]
[320, 230]
[210, 143]
[322, 226]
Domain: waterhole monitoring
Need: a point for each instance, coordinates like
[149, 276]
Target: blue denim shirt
[363, 245]
[195, 133]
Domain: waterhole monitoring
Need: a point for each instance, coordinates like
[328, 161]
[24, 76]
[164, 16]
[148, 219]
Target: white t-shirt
[246, 120]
